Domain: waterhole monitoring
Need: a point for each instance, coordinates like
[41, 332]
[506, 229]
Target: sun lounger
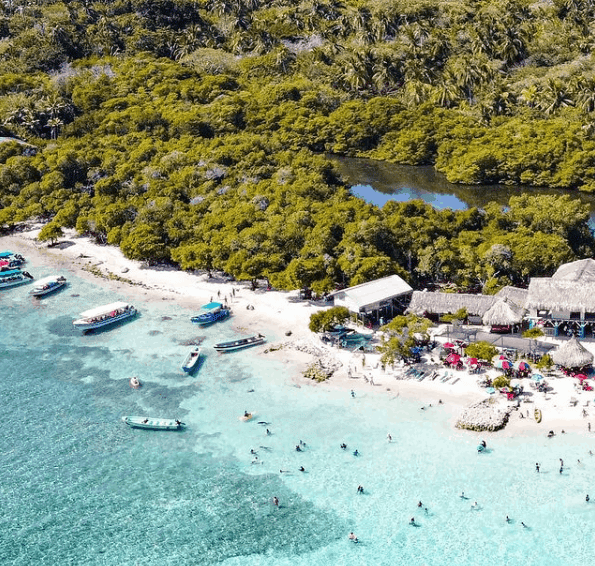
[457, 379]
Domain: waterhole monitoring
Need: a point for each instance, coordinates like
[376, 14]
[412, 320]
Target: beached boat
[104, 315]
[239, 344]
[538, 415]
[153, 423]
[14, 277]
[211, 312]
[191, 360]
[10, 260]
[48, 285]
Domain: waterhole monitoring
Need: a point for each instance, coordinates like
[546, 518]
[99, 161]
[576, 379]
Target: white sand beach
[284, 311]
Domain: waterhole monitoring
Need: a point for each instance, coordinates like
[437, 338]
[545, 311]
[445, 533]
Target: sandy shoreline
[284, 312]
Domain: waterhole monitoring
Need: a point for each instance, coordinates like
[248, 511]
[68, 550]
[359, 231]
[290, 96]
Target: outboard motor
[27, 274]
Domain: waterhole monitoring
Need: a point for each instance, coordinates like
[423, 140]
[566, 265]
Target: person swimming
[412, 522]
[419, 504]
[507, 519]
[302, 469]
[298, 448]
[355, 453]
[360, 488]
[352, 537]
[344, 446]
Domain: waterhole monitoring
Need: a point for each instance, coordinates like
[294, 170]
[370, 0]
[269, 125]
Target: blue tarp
[211, 306]
[10, 273]
[5, 254]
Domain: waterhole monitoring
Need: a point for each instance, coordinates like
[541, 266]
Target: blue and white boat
[153, 423]
[212, 312]
[14, 277]
[48, 285]
[240, 344]
[11, 260]
[104, 315]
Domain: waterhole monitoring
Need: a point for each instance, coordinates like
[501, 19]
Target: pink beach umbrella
[453, 358]
[581, 376]
[472, 361]
[503, 364]
[448, 345]
[522, 366]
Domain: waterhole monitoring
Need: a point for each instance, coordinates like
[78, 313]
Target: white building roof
[374, 292]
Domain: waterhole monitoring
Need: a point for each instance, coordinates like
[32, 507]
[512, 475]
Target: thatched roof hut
[443, 303]
[503, 313]
[582, 270]
[572, 354]
[514, 295]
[561, 295]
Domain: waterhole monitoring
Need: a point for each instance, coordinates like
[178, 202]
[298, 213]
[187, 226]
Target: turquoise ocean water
[79, 487]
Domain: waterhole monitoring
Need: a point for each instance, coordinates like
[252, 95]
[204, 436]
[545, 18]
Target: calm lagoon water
[377, 182]
[79, 487]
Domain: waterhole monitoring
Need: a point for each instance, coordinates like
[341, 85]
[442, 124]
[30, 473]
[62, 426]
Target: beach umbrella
[502, 364]
[537, 377]
[522, 366]
[472, 361]
[581, 376]
[453, 358]
[448, 345]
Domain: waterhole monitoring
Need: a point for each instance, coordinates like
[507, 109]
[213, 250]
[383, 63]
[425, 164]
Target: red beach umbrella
[503, 364]
[472, 361]
[581, 376]
[453, 358]
[522, 366]
[448, 345]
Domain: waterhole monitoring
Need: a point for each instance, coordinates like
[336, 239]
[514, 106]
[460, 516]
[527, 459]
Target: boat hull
[84, 326]
[153, 423]
[191, 361]
[50, 289]
[14, 283]
[239, 344]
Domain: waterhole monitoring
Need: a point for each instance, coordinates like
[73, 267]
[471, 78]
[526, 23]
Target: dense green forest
[194, 132]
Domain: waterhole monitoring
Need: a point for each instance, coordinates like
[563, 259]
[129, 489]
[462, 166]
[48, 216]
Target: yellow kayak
[538, 415]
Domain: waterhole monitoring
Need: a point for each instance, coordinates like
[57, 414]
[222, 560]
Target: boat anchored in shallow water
[153, 423]
[240, 344]
[104, 315]
[191, 360]
[212, 312]
[48, 285]
[14, 277]
[10, 260]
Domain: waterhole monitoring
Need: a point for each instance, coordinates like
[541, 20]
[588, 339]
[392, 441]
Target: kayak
[538, 415]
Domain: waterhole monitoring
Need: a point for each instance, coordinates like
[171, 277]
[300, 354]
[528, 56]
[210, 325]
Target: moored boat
[11, 260]
[153, 423]
[104, 315]
[211, 312]
[239, 344]
[134, 382]
[14, 277]
[191, 360]
[48, 285]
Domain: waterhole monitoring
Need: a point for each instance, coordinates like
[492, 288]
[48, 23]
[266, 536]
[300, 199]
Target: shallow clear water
[79, 487]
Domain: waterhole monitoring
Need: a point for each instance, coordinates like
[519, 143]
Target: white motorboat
[104, 315]
[48, 285]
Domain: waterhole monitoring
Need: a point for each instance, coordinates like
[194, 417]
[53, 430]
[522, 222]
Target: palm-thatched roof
[503, 312]
[582, 270]
[572, 354]
[561, 295]
[443, 303]
[514, 295]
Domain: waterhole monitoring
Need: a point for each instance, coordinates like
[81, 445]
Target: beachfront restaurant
[564, 304]
[503, 311]
[375, 302]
